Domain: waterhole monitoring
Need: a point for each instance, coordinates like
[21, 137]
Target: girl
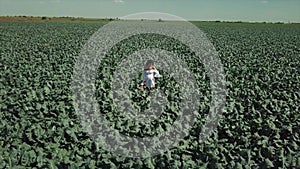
[150, 73]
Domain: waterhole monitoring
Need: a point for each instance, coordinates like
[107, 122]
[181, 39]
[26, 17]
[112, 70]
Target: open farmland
[259, 127]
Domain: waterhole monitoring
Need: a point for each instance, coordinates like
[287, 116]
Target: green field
[258, 129]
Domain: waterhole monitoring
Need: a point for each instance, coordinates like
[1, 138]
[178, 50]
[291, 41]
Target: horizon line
[143, 19]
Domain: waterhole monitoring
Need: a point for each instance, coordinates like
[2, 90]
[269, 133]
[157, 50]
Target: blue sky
[228, 10]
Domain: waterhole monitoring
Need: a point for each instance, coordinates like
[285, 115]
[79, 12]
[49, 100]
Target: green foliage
[258, 129]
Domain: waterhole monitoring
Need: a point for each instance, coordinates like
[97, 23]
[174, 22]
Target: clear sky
[225, 10]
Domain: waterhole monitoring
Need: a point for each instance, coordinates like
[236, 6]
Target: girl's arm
[144, 76]
[156, 73]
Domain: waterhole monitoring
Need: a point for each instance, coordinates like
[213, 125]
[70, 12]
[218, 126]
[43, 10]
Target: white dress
[149, 76]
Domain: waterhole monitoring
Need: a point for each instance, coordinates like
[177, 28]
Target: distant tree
[159, 20]
[44, 17]
[279, 22]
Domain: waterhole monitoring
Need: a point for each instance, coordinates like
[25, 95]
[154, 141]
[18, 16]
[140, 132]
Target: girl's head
[149, 65]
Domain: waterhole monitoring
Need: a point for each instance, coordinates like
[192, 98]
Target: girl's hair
[149, 63]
